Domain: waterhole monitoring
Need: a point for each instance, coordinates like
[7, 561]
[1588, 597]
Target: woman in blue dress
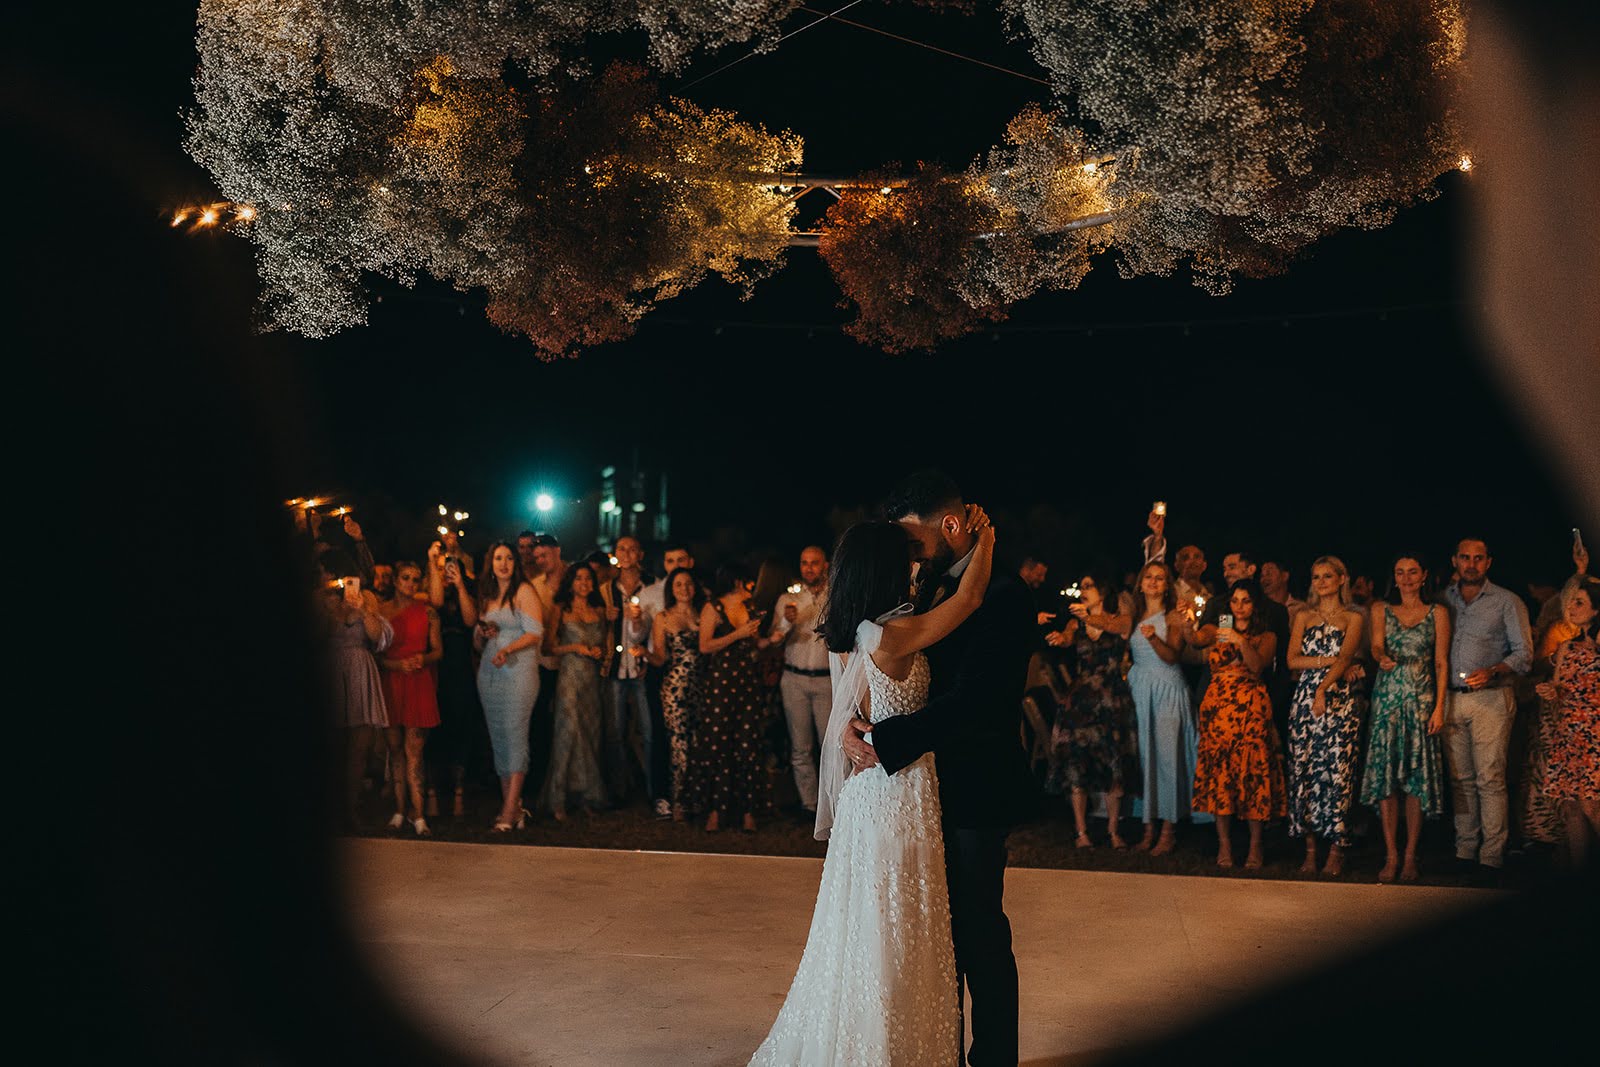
[1162, 708]
[508, 630]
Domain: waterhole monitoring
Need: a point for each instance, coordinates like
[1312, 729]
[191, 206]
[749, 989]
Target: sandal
[1084, 842]
[1167, 843]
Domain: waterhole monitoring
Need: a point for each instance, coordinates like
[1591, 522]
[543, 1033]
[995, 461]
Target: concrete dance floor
[577, 956]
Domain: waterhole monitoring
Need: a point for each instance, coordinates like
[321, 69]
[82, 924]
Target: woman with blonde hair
[1325, 716]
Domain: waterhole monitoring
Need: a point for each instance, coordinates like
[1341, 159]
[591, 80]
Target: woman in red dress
[410, 687]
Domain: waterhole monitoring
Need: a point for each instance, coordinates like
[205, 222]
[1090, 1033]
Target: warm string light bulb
[1465, 163]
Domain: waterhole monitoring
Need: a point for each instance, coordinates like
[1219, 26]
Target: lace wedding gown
[877, 982]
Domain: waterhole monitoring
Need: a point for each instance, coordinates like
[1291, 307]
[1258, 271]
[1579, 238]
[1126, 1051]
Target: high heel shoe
[396, 821]
[503, 825]
[421, 827]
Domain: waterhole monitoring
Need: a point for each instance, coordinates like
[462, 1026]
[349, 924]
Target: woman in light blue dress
[508, 631]
[1162, 708]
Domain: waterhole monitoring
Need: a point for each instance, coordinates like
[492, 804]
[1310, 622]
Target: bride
[877, 981]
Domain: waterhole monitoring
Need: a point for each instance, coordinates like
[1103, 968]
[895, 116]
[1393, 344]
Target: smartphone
[352, 590]
[1577, 539]
[1161, 507]
[1225, 621]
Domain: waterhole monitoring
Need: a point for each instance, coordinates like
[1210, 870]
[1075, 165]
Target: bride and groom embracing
[923, 774]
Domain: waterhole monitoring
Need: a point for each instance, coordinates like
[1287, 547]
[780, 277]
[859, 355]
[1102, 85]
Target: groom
[972, 724]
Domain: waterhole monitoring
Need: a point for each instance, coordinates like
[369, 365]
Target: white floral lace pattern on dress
[877, 982]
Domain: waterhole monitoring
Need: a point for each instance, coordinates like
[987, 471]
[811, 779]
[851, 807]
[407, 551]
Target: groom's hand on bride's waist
[860, 754]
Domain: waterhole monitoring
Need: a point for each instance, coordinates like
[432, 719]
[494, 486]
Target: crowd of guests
[589, 681]
[1246, 703]
[1158, 697]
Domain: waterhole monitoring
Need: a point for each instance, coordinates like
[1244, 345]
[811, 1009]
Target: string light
[1465, 163]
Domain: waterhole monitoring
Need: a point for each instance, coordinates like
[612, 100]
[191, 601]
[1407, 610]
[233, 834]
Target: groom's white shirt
[957, 569]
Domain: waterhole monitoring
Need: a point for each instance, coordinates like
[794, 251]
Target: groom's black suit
[972, 723]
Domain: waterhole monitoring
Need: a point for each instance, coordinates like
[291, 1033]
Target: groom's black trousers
[975, 861]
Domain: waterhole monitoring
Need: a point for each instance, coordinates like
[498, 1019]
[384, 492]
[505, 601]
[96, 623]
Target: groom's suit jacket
[972, 722]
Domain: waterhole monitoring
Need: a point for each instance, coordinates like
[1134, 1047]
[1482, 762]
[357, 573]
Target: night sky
[1346, 407]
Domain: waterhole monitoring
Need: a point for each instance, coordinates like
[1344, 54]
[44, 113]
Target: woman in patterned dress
[1239, 769]
[1325, 717]
[577, 633]
[1411, 646]
[1572, 731]
[1094, 743]
[728, 767]
[675, 644]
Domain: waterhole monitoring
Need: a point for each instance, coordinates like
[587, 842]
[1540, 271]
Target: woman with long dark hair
[1410, 637]
[461, 737]
[728, 763]
[508, 627]
[410, 688]
[1239, 769]
[727, 760]
[871, 987]
[675, 645]
[577, 634]
[1094, 742]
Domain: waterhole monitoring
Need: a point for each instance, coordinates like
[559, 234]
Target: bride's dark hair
[870, 575]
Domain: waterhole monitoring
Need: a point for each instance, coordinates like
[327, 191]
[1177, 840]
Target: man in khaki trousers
[1489, 645]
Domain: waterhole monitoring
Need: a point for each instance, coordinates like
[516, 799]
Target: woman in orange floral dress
[1240, 767]
[1572, 728]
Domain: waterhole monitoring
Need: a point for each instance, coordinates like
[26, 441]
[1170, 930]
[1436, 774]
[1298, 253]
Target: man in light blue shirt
[1489, 644]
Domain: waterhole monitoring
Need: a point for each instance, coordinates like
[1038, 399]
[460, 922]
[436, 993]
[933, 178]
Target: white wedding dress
[877, 982]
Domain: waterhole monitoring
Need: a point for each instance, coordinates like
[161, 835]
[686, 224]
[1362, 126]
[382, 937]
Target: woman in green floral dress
[1411, 645]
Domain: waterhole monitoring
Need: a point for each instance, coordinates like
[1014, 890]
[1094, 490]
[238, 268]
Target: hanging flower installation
[389, 140]
[1248, 131]
[630, 202]
[466, 140]
[947, 253]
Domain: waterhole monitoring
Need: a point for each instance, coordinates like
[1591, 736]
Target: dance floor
[577, 956]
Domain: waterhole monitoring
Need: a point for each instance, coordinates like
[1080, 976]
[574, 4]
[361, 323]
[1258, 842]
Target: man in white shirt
[653, 596]
[544, 554]
[625, 679]
[806, 688]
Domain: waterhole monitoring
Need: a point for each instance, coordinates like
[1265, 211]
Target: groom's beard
[939, 563]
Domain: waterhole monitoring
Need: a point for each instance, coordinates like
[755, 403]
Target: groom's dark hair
[871, 575]
[925, 494]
